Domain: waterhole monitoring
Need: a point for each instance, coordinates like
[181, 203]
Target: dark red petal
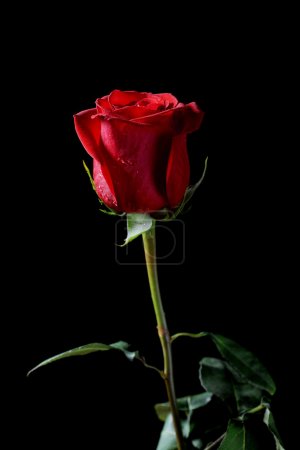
[117, 98]
[149, 105]
[178, 171]
[103, 105]
[192, 117]
[88, 128]
[161, 119]
[130, 112]
[136, 157]
[182, 119]
[102, 187]
[152, 101]
[169, 98]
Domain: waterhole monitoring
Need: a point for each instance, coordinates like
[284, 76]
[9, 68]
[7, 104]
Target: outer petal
[178, 171]
[102, 187]
[188, 118]
[88, 128]
[164, 120]
[137, 157]
[182, 119]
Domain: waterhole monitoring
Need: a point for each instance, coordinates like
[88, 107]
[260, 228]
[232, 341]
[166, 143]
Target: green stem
[162, 328]
[213, 444]
[191, 335]
[256, 409]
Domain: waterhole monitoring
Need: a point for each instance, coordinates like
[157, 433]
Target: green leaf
[136, 225]
[187, 404]
[245, 363]
[269, 421]
[197, 443]
[192, 402]
[218, 377]
[238, 438]
[186, 425]
[215, 378]
[89, 348]
[162, 410]
[247, 397]
[167, 440]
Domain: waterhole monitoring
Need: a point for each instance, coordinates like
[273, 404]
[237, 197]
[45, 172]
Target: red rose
[138, 142]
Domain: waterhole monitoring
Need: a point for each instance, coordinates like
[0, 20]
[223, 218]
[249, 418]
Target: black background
[67, 287]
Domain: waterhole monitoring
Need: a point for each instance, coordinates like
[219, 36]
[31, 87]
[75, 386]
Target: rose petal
[130, 112]
[149, 105]
[117, 98]
[102, 187]
[137, 158]
[88, 126]
[178, 171]
[103, 105]
[162, 119]
[191, 117]
[182, 119]
[169, 98]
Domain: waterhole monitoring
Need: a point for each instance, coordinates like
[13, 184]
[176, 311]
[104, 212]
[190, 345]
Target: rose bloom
[138, 144]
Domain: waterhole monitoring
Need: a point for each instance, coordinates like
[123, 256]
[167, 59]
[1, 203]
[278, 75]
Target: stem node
[163, 332]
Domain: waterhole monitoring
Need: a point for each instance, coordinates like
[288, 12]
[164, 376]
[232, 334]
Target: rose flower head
[138, 144]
